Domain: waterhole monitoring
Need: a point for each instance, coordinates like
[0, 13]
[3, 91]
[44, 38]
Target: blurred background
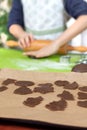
[5, 6]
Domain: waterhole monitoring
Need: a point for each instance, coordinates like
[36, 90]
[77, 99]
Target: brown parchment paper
[11, 105]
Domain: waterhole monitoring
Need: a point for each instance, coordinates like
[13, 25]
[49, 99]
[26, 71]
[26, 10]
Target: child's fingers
[34, 54]
[27, 41]
[24, 42]
[31, 37]
[21, 43]
[31, 53]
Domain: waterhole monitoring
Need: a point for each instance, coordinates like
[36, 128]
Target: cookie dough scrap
[80, 68]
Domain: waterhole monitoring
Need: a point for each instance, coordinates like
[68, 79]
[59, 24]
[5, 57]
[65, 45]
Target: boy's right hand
[25, 40]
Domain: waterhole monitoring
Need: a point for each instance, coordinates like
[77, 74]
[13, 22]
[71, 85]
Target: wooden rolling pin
[38, 44]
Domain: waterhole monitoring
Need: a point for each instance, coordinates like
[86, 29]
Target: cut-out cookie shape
[24, 83]
[3, 88]
[61, 82]
[72, 86]
[44, 88]
[32, 102]
[23, 91]
[8, 81]
[66, 95]
[57, 105]
[82, 104]
[82, 95]
[84, 88]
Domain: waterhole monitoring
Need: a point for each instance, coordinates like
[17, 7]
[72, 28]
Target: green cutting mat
[13, 58]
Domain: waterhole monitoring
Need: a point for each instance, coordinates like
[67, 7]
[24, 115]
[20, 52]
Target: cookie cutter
[65, 59]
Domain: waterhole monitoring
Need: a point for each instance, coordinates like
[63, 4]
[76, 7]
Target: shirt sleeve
[16, 14]
[76, 8]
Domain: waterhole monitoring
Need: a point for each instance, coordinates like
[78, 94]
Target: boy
[36, 19]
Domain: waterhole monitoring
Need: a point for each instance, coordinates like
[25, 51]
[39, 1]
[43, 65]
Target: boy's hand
[25, 40]
[44, 52]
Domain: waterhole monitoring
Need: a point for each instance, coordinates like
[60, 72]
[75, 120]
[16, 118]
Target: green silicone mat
[13, 58]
